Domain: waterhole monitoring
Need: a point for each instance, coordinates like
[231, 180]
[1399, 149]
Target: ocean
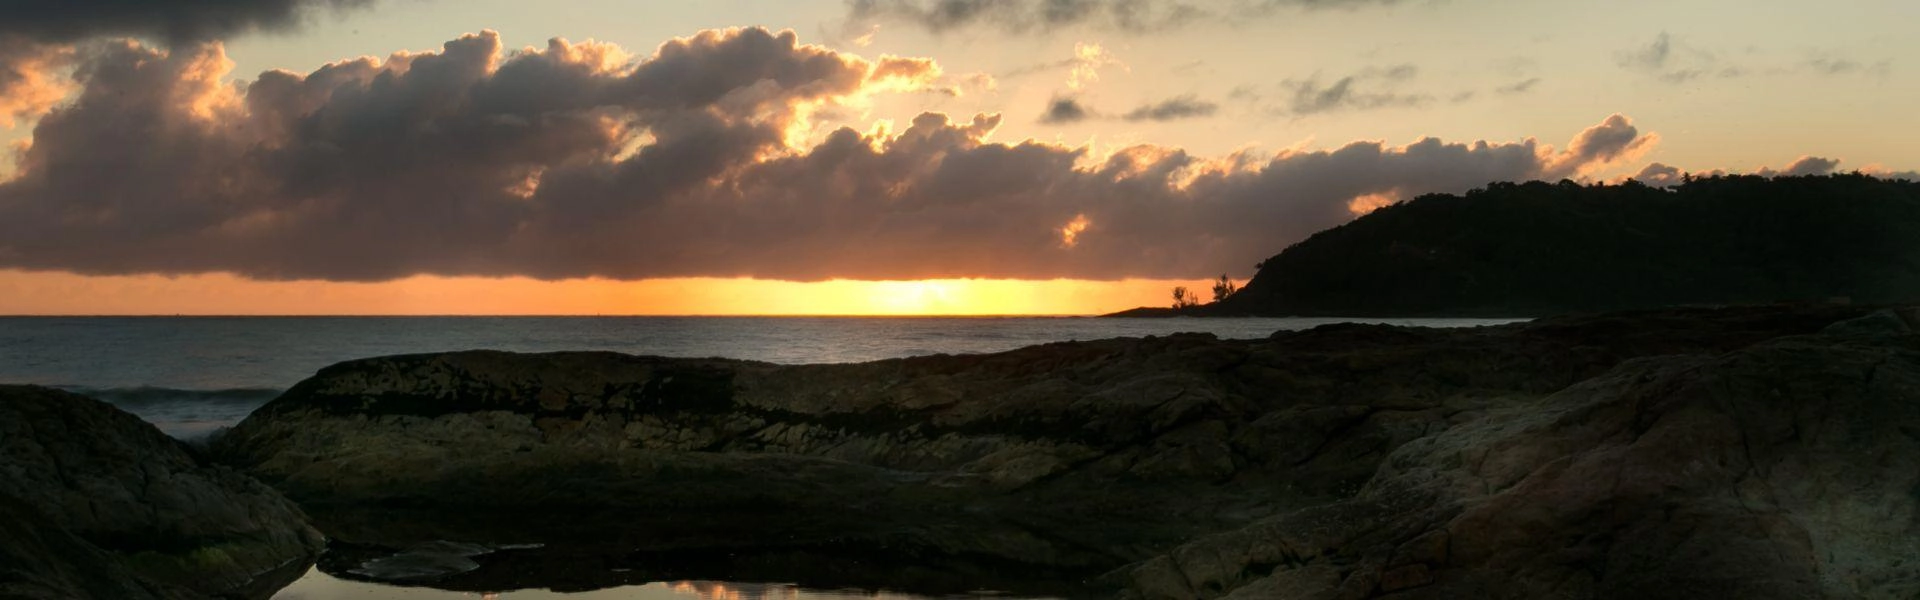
[192, 376]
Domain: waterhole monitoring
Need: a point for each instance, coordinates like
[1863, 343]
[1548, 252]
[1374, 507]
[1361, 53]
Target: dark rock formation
[40, 560]
[95, 503]
[1619, 455]
[1789, 469]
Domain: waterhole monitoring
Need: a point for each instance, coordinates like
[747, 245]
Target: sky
[852, 156]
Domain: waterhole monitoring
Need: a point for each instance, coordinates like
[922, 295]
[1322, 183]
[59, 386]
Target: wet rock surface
[95, 503]
[1763, 450]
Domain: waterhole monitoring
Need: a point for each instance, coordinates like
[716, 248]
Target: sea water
[191, 376]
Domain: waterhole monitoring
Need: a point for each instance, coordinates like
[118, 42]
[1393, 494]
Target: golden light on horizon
[55, 293]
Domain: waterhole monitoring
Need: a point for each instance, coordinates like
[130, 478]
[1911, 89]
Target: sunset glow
[901, 157]
[68, 294]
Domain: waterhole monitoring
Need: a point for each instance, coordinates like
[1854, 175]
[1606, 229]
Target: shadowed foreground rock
[1790, 469]
[95, 503]
[1651, 454]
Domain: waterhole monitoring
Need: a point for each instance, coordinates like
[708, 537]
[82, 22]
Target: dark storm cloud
[569, 161]
[172, 20]
[1026, 16]
[37, 37]
[1172, 109]
[1065, 110]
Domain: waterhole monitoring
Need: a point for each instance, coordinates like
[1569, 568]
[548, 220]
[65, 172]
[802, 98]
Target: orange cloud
[912, 71]
[32, 78]
[1070, 234]
[1367, 203]
[1613, 141]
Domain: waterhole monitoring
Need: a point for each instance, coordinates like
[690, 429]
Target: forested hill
[1539, 248]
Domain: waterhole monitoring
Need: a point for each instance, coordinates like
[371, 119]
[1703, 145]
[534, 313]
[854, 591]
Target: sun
[915, 297]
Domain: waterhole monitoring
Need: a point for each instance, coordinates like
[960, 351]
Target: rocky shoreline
[1763, 452]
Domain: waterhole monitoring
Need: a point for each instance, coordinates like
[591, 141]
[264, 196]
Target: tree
[1223, 287]
[1184, 299]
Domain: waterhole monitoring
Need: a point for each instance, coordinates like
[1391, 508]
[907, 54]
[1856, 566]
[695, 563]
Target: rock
[106, 506]
[40, 560]
[1403, 459]
[1884, 322]
[1782, 470]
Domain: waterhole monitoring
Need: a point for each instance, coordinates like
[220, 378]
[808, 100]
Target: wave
[148, 396]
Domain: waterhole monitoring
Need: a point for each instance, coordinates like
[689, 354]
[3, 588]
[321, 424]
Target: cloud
[1661, 175]
[1366, 90]
[1651, 57]
[1614, 140]
[1171, 109]
[1063, 110]
[1088, 60]
[1519, 87]
[1671, 60]
[37, 37]
[32, 78]
[910, 71]
[1827, 65]
[1082, 69]
[1800, 167]
[1022, 16]
[572, 161]
[1038, 16]
[1069, 109]
[170, 20]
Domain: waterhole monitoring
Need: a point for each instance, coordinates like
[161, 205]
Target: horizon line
[539, 315]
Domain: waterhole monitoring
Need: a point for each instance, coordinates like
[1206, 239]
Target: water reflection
[718, 590]
[927, 554]
[714, 590]
[317, 585]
